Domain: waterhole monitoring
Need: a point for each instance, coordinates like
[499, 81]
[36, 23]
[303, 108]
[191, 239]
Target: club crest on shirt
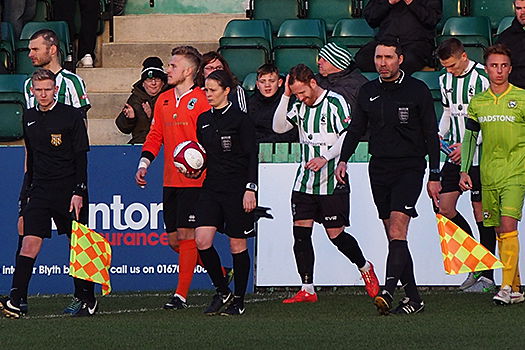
[486, 215]
[56, 139]
[513, 104]
[191, 103]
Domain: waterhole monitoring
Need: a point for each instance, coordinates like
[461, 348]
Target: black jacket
[402, 22]
[261, 110]
[138, 127]
[514, 38]
[228, 136]
[401, 119]
[345, 83]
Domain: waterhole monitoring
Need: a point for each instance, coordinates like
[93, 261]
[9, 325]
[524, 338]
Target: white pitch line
[141, 310]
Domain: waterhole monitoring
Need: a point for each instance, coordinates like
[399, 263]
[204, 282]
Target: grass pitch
[342, 319]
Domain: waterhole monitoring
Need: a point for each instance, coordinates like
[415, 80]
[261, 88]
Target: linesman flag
[461, 252]
[90, 256]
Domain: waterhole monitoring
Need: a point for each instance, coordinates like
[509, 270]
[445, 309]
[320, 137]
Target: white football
[189, 156]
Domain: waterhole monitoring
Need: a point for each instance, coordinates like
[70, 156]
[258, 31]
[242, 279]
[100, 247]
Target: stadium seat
[277, 11]
[248, 84]
[504, 24]
[474, 33]
[431, 78]
[329, 10]
[12, 106]
[246, 45]
[352, 33]
[7, 47]
[299, 41]
[279, 153]
[451, 8]
[370, 75]
[495, 10]
[23, 63]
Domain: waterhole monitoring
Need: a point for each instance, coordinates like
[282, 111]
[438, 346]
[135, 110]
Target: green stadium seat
[12, 104]
[248, 84]
[299, 41]
[23, 63]
[7, 46]
[352, 33]
[277, 11]
[329, 10]
[361, 153]
[504, 24]
[431, 78]
[451, 8]
[474, 33]
[370, 75]
[493, 9]
[246, 45]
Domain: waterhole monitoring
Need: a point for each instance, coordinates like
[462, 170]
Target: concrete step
[109, 79]
[106, 105]
[104, 132]
[131, 54]
[169, 28]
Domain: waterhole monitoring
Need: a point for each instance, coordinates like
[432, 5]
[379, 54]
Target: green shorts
[506, 201]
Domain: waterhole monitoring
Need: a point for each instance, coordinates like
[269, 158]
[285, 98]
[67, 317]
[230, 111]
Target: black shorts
[179, 204]
[396, 184]
[331, 211]
[51, 200]
[225, 212]
[450, 180]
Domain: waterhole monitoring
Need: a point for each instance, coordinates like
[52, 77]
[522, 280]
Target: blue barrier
[128, 216]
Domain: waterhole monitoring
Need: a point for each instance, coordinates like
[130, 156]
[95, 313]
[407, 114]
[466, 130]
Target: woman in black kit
[229, 191]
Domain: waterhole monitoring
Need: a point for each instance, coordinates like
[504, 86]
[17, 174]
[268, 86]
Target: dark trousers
[64, 10]
[417, 55]
[18, 13]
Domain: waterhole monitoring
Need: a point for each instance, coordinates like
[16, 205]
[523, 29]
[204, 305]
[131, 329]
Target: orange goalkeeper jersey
[174, 121]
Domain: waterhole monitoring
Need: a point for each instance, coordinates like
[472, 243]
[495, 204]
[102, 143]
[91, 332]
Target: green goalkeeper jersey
[502, 122]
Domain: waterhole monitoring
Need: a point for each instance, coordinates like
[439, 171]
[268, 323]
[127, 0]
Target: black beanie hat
[152, 68]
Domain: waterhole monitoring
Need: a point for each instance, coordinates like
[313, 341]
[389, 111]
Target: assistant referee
[403, 130]
[56, 145]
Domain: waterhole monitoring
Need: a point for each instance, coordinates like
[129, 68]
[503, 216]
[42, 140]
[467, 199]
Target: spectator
[514, 38]
[411, 23]
[18, 13]
[135, 118]
[338, 72]
[87, 37]
[263, 103]
[212, 61]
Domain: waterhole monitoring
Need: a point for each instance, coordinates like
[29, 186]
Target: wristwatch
[252, 187]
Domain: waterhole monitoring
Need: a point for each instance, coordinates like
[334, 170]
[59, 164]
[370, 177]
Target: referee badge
[403, 115]
[513, 104]
[191, 103]
[56, 139]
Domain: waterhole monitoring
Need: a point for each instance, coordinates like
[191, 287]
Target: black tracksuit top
[56, 142]
[401, 119]
[228, 136]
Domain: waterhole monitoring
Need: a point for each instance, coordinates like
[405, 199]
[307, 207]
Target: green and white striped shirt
[71, 90]
[320, 128]
[456, 93]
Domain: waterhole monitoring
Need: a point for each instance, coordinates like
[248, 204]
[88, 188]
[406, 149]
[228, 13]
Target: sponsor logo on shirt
[497, 118]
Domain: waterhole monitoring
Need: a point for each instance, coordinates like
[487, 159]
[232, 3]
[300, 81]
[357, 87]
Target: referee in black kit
[403, 129]
[228, 196]
[56, 145]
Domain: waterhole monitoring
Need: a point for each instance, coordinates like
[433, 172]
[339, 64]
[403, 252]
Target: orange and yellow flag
[461, 252]
[90, 256]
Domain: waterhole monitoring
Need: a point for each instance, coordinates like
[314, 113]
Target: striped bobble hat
[336, 55]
